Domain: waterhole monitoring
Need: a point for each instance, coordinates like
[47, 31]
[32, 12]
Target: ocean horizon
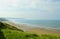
[52, 24]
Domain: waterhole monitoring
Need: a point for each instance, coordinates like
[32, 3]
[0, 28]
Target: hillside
[9, 32]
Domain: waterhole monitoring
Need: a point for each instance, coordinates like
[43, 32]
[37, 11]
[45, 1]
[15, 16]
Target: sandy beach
[35, 30]
[43, 31]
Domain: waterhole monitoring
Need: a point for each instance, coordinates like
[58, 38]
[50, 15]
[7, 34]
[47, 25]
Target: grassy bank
[9, 32]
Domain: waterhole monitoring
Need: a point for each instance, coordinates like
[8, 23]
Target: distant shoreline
[48, 24]
[39, 30]
[36, 26]
[36, 30]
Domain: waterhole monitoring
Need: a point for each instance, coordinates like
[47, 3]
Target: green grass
[9, 33]
[13, 34]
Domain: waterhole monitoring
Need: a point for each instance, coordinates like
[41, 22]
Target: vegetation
[9, 32]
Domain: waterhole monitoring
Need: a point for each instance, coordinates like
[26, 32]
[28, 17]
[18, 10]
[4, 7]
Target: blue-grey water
[42, 23]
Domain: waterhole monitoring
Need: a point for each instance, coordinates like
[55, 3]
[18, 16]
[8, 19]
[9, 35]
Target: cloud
[55, 0]
[28, 5]
[30, 8]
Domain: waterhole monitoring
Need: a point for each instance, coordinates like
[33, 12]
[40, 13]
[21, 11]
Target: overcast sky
[30, 9]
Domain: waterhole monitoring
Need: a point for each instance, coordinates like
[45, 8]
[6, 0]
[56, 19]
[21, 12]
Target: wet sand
[43, 31]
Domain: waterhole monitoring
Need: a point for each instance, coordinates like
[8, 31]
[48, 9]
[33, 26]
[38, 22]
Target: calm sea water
[41, 23]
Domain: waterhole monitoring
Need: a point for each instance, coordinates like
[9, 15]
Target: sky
[30, 9]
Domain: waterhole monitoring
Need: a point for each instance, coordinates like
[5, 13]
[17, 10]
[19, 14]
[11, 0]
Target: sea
[48, 24]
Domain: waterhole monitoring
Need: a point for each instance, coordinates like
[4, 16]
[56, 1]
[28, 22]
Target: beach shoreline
[39, 30]
[35, 30]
